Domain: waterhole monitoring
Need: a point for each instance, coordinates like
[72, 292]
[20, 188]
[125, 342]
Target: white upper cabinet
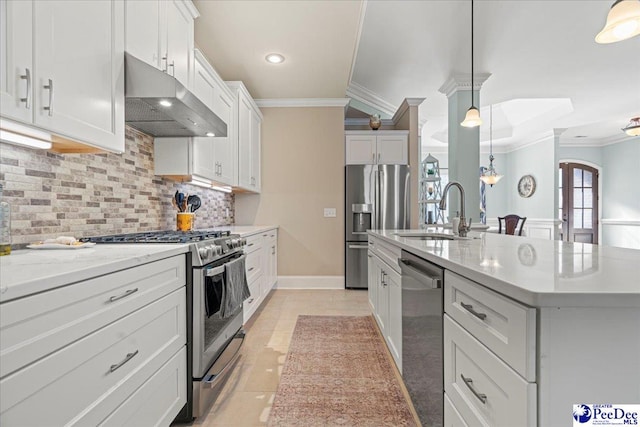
[74, 88]
[377, 147]
[219, 151]
[160, 32]
[249, 126]
[16, 65]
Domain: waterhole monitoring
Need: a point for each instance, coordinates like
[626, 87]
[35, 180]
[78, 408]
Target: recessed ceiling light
[211, 134]
[274, 58]
[580, 136]
[165, 103]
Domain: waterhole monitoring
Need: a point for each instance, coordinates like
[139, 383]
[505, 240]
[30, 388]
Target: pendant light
[633, 128]
[623, 22]
[490, 176]
[472, 118]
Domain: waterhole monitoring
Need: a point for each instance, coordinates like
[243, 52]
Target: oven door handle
[214, 271]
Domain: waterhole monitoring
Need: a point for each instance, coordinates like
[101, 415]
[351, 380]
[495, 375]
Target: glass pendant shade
[472, 119]
[633, 128]
[490, 176]
[623, 22]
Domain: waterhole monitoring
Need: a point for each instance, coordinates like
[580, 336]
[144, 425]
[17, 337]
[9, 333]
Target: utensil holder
[184, 221]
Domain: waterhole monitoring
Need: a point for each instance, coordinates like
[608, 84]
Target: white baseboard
[310, 282]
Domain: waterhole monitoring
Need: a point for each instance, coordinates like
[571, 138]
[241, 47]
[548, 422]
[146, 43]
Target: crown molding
[458, 82]
[364, 95]
[406, 103]
[193, 10]
[302, 102]
[524, 143]
[619, 138]
[602, 142]
[557, 132]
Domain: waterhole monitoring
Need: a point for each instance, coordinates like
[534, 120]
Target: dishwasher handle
[412, 270]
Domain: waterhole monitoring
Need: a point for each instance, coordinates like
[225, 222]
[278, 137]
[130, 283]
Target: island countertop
[536, 272]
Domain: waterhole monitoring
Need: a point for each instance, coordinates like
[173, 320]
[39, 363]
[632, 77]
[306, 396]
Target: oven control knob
[217, 249]
[203, 253]
[243, 241]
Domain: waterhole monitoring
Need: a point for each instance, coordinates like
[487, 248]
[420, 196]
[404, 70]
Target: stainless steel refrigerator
[376, 197]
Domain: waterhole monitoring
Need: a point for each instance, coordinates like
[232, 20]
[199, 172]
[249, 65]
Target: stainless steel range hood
[159, 105]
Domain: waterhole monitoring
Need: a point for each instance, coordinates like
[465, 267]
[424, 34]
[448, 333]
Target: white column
[464, 143]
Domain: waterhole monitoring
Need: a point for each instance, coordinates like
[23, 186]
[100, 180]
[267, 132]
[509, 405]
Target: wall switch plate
[329, 212]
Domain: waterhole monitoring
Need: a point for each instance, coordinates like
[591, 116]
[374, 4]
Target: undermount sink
[424, 235]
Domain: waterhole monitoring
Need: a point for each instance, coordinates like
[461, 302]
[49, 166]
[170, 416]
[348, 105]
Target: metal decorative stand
[430, 192]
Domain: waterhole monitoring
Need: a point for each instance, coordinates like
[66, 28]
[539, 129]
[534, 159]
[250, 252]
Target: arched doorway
[578, 202]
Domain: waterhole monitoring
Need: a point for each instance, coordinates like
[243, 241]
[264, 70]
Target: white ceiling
[546, 70]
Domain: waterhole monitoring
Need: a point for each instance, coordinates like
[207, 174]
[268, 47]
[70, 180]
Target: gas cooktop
[159, 237]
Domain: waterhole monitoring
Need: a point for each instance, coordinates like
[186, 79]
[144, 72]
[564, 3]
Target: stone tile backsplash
[85, 195]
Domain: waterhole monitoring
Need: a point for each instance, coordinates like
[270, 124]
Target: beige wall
[302, 173]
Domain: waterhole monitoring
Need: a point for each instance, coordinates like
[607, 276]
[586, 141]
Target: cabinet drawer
[85, 381]
[159, 400]
[503, 325]
[452, 417]
[253, 265]
[386, 252]
[40, 324]
[254, 242]
[472, 374]
[251, 304]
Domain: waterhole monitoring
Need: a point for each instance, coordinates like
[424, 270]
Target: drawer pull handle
[128, 357]
[469, 382]
[470, 309]
[250, 244]
[124, 295]
[251, 300]
[251, 269]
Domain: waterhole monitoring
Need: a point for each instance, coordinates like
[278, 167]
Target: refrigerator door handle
[381, 190]
[407, 195]
[376, 200]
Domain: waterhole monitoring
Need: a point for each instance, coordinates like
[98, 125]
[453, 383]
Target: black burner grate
[159, 237]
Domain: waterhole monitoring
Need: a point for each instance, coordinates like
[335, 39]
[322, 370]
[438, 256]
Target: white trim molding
[301, 102]
[458, 82]
[616, 221]
[539, 228]
[406, 103]
[364, 95]
[310, 282]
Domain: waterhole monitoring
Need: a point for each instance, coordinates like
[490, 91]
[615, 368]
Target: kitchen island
[531, 327]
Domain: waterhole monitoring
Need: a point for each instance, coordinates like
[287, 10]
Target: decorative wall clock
[526, 186]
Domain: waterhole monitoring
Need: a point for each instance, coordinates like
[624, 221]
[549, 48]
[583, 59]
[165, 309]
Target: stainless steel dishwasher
[422, 367]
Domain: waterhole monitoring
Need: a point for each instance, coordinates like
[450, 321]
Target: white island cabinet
[62, 71]
[528, 331]
[105, 350]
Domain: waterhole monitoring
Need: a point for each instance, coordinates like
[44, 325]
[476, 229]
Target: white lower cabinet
[261, 266]
[129, 329]
[484, 389]
[385, 296]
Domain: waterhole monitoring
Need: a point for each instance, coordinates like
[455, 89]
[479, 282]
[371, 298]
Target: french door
[578, 202]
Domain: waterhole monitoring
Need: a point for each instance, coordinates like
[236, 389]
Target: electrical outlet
[329, 212]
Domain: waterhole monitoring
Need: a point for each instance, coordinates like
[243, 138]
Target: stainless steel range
[214, 334]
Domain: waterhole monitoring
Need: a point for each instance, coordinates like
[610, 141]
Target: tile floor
[248, 395]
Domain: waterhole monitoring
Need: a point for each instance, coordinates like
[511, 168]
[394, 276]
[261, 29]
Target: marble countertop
[247, 230]
[536, 272]
[29, 271]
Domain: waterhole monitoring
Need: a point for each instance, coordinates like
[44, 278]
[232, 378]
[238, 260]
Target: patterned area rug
[338, 373]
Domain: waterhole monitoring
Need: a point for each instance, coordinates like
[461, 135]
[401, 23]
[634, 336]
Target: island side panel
[586, 355]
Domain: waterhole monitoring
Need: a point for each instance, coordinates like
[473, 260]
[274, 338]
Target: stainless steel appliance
[159, 105]
[376, 197]
[422, 364]
[213, 341]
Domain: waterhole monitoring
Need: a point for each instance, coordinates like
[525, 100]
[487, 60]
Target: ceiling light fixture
[472, 118]
[623, 22]
[633, 128]
[490, 176]
[274, 58]
[210, 134]
[165, 103]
